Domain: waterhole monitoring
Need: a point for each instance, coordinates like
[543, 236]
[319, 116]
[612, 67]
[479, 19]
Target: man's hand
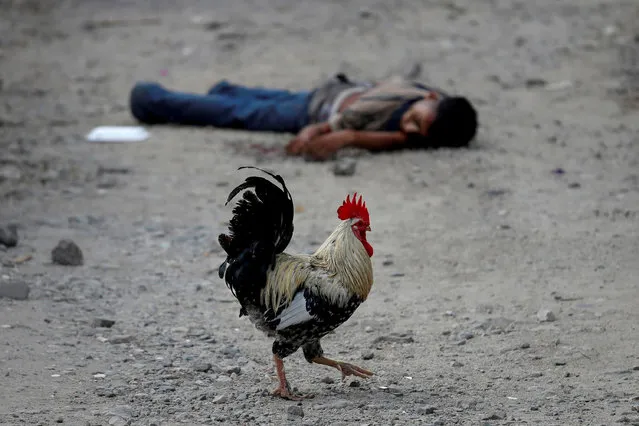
[307, 134]
[321, 147]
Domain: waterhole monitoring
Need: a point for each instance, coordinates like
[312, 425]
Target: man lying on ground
[390, 114]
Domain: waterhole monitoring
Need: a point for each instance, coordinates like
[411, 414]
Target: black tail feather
[261, 227]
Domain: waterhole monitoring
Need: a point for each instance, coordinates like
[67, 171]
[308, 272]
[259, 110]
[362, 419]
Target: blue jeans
[226, 105]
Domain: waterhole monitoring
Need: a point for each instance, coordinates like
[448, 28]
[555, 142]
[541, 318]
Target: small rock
[494, 416]
[560, 362]
[465, 335]
[17, 290]
[368, 355]
[102, 323]
[574, 185]
[295, 410]
[425, 410]
[339, 404]
[124, 411]
[220, 399]
[344, 167]
[524, 345]
[456, 364]
[493, 193]
[118, 340]
[230, 351]
[534, 408]
[117, 421]
[387, 262]
[10, 172]
[67, 253]
[9, 235]
[107, 182]
[535, 82]
[354, 384]
[546, 315]
[328, 380]
[202, 367]
[59, 420]
[497, 325]
[395, 391]
[394, 338]
[365, 13]
[235, 369]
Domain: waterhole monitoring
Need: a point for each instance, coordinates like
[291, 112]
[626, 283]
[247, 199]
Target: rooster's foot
[344, 367]
[286, 393]
[352, 370]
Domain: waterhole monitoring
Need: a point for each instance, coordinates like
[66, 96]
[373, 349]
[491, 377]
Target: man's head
[447, 122]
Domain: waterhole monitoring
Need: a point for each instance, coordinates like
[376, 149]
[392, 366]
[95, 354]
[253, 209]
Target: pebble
[328, 380]
[546, 315]
[107, 182]
[67, 253]
[368, 355]
[295, 411]
[496, 325]
[535, 82]
[524, 345]
[18, 290]
[117, 421]
[465, 335]
[344, 167]
[339, 404]
[102, 323]
[494, 416]
[425, 410]
[394, 338]
[117, 340]
[354, 384]
[202, 367]
[124, 411]
[220, 399]
[9, 235]
[235, 369]
[456, 364]
[10, 172]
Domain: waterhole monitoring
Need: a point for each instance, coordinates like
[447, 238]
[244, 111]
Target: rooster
[295, 298]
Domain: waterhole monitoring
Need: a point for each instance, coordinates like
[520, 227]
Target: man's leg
[226, 88]
[151, 103]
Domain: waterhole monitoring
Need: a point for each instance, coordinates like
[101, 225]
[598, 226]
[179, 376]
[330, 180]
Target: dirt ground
[506, 275]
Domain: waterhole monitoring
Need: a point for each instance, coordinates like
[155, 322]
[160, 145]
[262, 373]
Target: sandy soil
[541, 214]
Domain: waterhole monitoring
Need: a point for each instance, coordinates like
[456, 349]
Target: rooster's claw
[287, 394]
[352, 370]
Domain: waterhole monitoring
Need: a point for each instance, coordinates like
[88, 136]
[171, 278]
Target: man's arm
[305, 135]
[324, 146]
[376, 141]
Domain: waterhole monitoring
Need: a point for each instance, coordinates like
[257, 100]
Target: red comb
[353, 208]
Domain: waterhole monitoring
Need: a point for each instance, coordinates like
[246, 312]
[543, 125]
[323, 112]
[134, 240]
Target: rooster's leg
[284, 390]
[345, 368]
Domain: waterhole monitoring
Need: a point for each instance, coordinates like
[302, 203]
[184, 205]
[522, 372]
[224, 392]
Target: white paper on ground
[121, 134]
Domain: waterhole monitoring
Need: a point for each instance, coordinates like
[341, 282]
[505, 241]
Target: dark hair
[455, 123]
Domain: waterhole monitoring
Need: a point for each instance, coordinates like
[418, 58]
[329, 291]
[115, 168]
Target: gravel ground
[506, 284]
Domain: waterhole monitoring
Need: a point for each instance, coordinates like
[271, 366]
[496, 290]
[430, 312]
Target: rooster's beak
[368, 228]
